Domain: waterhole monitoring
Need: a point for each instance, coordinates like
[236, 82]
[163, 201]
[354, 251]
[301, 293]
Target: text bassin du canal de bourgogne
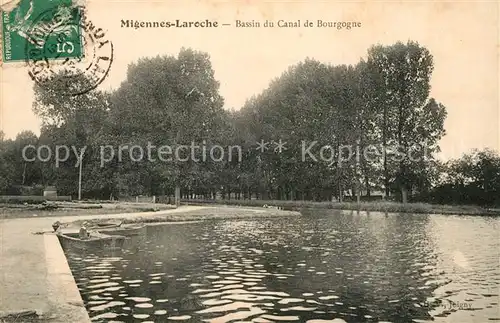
[238, 23]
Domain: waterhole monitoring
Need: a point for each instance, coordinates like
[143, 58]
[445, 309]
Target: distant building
[50, 191]
[375, 193]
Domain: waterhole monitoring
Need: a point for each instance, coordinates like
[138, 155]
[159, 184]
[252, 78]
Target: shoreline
[71, 208]
[378, 206]
[101, 209]
[35, 277]
[199, 214]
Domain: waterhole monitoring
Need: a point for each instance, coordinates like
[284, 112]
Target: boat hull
[127, 230]
[104, 225]
[103, 241]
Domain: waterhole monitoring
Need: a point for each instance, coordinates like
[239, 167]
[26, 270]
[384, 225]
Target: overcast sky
[462, 37]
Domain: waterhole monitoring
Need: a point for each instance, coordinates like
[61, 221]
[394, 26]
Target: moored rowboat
[125, 230]
[104, 225]
[96, 240]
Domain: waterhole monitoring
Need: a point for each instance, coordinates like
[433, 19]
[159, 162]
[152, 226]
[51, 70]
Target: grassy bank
[24, 317]
[377, 206]
[212, 213]
[8, 211]
[217, 213]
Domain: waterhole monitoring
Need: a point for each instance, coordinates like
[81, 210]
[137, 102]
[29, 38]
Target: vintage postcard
[249, 161]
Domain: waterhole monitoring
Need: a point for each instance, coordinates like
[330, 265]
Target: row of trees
[472, 179]
[380, 105]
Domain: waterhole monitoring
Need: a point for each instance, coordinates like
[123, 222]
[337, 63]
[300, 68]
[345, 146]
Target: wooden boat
[110, 223]
[105, 225]
[125, 230]
[96, 240]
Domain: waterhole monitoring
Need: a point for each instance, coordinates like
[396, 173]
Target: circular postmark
[66, 52]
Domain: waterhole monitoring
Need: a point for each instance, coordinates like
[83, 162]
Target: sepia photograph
[249, 161]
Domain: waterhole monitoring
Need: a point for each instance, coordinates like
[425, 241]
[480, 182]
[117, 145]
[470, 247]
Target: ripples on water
[345, 267]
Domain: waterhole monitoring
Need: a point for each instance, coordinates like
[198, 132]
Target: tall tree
[169, 101]
[76, 123]
[409, 119]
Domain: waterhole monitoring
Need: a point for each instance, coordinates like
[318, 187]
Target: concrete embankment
[34, 273]
[66, 304]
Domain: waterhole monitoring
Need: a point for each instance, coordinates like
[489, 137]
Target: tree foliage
[375, 120]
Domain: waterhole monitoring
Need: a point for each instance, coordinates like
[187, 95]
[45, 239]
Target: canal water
[344, 266]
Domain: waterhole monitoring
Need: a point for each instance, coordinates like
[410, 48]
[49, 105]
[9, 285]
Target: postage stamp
[18, 23]
[57, 42]
[53, 56]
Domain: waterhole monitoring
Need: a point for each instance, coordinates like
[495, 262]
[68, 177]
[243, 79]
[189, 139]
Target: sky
[463, 38]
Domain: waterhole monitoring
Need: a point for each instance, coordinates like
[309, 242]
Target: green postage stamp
[48, 26]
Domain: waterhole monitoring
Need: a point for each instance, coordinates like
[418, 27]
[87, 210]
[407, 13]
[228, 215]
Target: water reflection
[342, 267]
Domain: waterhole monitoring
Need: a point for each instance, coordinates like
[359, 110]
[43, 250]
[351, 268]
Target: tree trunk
[404, 194]
[368, 190]
[357, 175]
[24, 173]
[177, 195]
[384, 143]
